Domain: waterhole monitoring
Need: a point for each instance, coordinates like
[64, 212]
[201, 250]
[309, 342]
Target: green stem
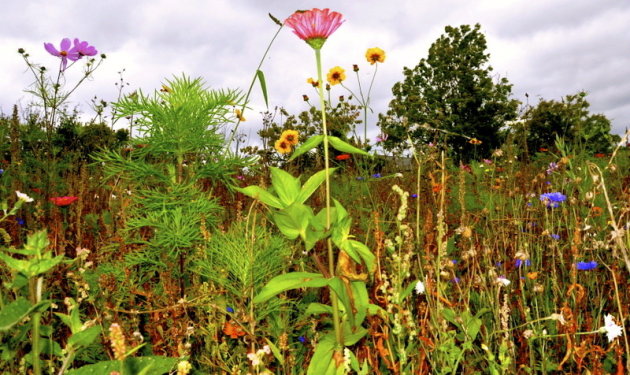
[249, 91]
[331, 256]
[36, 297]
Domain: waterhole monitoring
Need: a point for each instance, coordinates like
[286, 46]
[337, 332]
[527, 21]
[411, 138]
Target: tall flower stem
[331, 256]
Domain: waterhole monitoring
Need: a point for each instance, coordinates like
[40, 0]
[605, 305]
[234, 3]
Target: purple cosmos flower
[381, 138]
[518, 263]
[83, 48]
[552, 199]
[586, 266]
[552, 167]
[65, 52]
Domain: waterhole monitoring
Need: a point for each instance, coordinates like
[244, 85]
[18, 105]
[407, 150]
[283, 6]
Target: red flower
[232, 329]
[600, 155]
[314, 26]
[543, 149]
[342, 157]
[63, 201]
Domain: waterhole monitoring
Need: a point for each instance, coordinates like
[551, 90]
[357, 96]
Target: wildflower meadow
[468, 237]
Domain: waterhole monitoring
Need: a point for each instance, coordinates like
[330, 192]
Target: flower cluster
[287, 140]
[68, 51]
[553, 199]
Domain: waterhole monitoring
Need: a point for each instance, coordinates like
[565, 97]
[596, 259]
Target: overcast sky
[547, 49]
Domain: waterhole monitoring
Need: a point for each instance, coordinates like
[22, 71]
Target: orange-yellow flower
[291, 136]
[374, 55]
[282, 146]
[239, 115]
[475, 141]
[336, 75]
[313, 82]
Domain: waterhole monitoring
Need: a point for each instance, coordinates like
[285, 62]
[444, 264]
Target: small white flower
[610, 328]
[559, 318]
[503, 281]
[420, 287]
[398, 175]
[23, 197]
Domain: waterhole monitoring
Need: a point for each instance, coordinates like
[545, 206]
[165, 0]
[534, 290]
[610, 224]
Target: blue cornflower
[586, 266]
[302, 339]
[376, 175]
[555, 236]
[414, 195]
[552, 199]
[454, 261]
[20, 221]
[519, 262]
[229, 309]
[455, 280]
[1, 171]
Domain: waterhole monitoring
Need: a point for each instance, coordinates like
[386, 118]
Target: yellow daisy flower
[336, 75]
[374, 55]
[313, 82]
[291, 136]
[282, 146]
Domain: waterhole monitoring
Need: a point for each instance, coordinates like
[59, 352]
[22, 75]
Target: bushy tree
[571, 120]
[451, 90]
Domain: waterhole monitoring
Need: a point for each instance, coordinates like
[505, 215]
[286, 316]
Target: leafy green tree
[451, 94]
[571, 120]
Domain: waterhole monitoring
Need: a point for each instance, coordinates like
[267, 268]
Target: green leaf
[132, 365]
[44, 265]
[289, 281]
[262, 195]
[263, 85]
[342, 146]
[17, 265]
[352, 337]
[309, 144]
[84, 338]
[312, 184]
[276, 352]
[315, 308]
[293, 221]
[286, 186]
[14, 312]
[322, 362]
[364, 253]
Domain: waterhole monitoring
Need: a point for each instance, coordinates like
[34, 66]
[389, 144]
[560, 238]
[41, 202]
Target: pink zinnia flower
[314, 26]
[65, 52]
[83, 48]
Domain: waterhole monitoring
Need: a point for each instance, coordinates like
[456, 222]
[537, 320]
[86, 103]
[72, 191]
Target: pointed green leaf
[364, 253]
[289, 281]
[276, 352]
[17, 265]
[317, 308]
[286, 186]
[262, 195]
[293, 221]
[84, 338]
[312, 184]
[263, 85]
[343, 146]
[14, 312]
[308, 145]
[322, 362]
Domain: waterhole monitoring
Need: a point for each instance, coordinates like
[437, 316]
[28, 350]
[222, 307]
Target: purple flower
[20, 221]
[552, 167]
[518, 263]
[1, 171]
[83, 48]
[65, 52]
[555, 236]
[552, 199]
[455, 280]
[229, 309]
[414, 195]
[381, 138]
[302, 339]
[376, 175]
[586, 266]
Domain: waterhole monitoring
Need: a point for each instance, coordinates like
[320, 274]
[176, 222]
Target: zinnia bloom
[336, 75]
[282, 146]
[314, 26]
[63, 201]
[291, 136]
[374, 55]
[65, 52]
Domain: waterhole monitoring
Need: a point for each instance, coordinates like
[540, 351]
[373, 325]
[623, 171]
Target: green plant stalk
[249, 91]
[331, 256]
[36, 297]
